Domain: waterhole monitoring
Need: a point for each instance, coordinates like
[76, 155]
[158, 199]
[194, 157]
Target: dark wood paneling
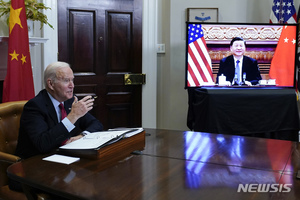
[120, 115]
[119, 39]
[82, 43]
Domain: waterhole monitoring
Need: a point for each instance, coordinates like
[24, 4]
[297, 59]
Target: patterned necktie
[62, 111]
[237, 71]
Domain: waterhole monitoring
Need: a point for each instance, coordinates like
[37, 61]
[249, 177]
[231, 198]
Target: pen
[94, 97]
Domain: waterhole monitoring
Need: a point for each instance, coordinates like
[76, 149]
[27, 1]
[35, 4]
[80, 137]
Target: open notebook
[102, 138]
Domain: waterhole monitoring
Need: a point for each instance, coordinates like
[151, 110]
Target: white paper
[97, 139]
[133, 132]
[94, 140]
[61, 159]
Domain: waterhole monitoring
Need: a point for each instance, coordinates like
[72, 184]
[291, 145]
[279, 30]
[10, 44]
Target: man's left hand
[72, 139]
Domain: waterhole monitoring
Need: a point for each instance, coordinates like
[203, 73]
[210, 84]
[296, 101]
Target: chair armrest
[6, 157]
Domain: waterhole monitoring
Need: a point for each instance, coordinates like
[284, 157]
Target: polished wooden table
[174, 165]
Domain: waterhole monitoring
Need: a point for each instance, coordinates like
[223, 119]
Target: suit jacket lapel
[232, 68]
[245, 64]
[49, 106]
[68, 105]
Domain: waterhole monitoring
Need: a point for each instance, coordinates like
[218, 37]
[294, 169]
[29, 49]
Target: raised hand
[80, 108]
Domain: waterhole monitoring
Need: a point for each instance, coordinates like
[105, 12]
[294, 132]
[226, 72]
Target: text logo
[264, 187]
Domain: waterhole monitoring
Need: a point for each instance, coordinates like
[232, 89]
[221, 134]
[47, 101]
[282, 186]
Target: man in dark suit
[41, 128]
[238, 66]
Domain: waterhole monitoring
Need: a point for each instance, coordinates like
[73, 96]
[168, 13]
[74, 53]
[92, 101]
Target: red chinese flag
[283, 62]
[18, 83]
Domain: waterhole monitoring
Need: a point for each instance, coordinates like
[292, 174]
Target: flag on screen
[283, 11]
[282, 64]
[199, 63]
[18, 83]
[298, 54]
[298, 21]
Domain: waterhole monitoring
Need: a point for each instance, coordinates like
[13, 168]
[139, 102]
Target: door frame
[149, 90]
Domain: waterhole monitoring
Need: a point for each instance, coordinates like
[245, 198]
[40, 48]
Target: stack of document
[102, 138]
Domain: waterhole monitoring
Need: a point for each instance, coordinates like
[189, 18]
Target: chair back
[10, 114]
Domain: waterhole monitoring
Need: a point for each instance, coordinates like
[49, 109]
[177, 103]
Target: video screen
[241, 55]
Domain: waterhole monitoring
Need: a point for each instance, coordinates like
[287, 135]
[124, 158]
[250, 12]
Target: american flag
[199, 63]
[283, 11]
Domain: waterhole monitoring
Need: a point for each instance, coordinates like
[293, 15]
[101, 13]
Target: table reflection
[228, 161]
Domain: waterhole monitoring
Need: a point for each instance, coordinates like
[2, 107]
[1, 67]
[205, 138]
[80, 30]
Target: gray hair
[51, 70]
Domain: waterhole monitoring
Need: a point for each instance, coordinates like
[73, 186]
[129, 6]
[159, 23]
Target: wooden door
[102, 41]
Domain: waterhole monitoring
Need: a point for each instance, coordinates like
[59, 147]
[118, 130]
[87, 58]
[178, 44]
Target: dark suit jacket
[40, 132]
[250, 66]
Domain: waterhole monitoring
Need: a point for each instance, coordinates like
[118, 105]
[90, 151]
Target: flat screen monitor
[270, 48]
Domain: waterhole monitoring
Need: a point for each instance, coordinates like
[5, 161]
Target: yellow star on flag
[14, 55]
[14, 18]
[23, 59]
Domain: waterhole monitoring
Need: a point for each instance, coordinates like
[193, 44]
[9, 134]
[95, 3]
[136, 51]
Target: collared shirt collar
[54, 101]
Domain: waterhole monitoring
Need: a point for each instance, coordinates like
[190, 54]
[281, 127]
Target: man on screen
[238, 68]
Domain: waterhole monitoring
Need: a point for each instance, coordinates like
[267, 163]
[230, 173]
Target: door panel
[119, 41]
[102, 40]
[81, 45]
